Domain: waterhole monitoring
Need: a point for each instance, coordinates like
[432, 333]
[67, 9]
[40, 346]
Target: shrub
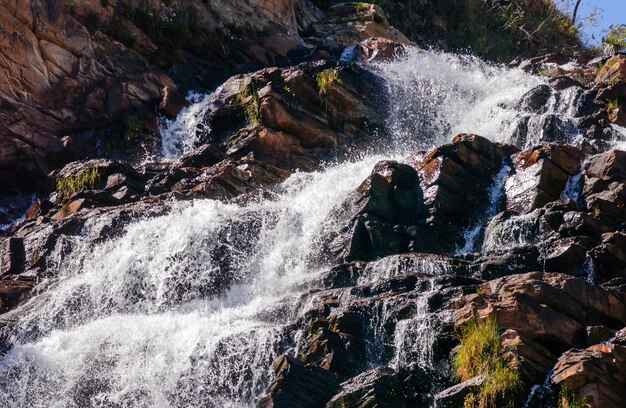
[84, 180]
[480, 353]
[616, 36]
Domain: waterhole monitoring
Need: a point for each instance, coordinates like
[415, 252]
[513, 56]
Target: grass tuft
[68, 186]
[325, 79]
[248, 99]
[567, 399]
[480, 353]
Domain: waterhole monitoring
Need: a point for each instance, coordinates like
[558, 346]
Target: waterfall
[190, 308]
[181, 135]
[435, 96]
[414, 338]
[573, 187]
[496, 193]
[146, 319]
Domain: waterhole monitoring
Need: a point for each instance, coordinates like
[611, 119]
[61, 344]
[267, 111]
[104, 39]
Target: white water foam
[136, 322]
[181, 135]
[435, 96]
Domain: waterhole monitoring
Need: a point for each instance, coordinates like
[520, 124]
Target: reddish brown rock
[596, 375]
[378, 49]
[614, 70]
[548, 313]
[541, 174]
[455, 179]
[350, 23]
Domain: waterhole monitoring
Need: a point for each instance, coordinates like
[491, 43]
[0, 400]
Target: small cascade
[496, 193]
[512, 232]
[538, 392]
[574, 185]
[414, 338]
[590, 268]
[181, 135]
[378, 341]
[397, 265]
[435, 95]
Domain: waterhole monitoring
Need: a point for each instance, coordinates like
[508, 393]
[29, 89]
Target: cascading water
[495, 196]
[190, 308]
[181, 135]
[140, 321]
[574, 185]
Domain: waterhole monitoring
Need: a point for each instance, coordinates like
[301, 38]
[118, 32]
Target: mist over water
[190, 308]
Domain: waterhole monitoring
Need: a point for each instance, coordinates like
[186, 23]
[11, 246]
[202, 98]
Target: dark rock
[378, 387]
[12, 256]
[204, 156]
[454, 396]
[299, 385]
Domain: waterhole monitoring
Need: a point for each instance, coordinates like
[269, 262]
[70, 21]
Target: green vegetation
[132, 126]
[480, 353]
[325, 79]
[70, 185]
[612, 104]
[567, 399]
[362, 7]
[497, 30]
[248, 99]
[616, 36]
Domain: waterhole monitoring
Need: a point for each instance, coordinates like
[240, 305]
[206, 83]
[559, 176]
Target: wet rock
[299, 385]
[13, 292]
[350, 23]
[455, 395]
[378, 49]
[203, 156]
[385, 207]
[596, 375]
[456, 179]
[317, 104]
[541, 174]
[379, 387]
[276, 148]
[536, 100]
[12, 256]
[546, 314]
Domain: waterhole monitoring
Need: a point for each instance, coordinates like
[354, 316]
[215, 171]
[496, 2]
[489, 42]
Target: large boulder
[546, 314]
[541, 175]
[298, 385]
[595, 375]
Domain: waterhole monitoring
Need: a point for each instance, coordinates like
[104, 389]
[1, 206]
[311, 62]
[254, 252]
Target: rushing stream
[189, 308]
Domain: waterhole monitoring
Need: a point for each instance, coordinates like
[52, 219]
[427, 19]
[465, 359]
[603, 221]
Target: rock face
[596, 374]
[427, 246]
[104, 67]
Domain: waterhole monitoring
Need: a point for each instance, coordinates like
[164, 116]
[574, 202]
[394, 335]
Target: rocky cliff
[345, 220]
